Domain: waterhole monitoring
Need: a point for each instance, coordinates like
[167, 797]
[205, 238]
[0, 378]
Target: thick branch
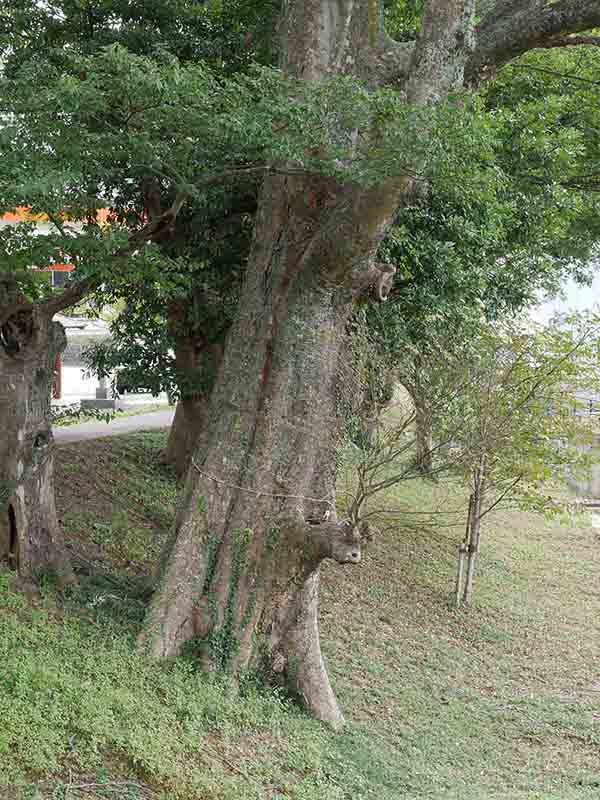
[339, 541]
[443, 46]
[70, 296]
[514, 27]
[571, 41]
[325, 37]
[156, 227]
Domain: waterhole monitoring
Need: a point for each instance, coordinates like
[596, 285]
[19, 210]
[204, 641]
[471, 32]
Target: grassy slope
[500, 701]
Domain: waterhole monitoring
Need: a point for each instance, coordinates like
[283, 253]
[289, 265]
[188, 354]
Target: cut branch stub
[338, 541]
[341, 541]
[377, 282]
[383, 282]
[345, 545]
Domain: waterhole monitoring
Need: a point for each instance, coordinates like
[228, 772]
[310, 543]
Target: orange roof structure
[55, 268]
[23, 214]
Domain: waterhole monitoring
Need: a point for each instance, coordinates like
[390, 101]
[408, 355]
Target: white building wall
[74, 383]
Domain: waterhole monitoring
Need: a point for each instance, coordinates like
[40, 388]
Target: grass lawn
[501, 700]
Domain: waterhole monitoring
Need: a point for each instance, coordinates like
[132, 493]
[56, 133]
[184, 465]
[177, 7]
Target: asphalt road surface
[117, 427]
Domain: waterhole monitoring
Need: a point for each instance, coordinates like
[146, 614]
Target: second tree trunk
[31, 539]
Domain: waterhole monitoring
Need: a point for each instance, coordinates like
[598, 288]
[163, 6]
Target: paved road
[97, 430]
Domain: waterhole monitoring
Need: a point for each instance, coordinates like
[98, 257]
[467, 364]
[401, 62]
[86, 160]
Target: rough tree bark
[195, 358]
[243, 574]
[242, 578]
[31, 539]
[182, 437]
[191, 411]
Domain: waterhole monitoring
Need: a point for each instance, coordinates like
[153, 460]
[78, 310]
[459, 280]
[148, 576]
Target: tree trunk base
[308, 676]
[251, 603]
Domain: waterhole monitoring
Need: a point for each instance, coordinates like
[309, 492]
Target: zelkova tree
[30, 536]
[169, 336]
[146, 138]
[511, 415]
[242, 578]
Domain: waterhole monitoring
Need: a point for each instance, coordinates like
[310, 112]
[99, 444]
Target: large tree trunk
[243, 575]
[31, 539]
[177, 441]
[188, 423]
[183, 434]
[197, 361]
[242, 578]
